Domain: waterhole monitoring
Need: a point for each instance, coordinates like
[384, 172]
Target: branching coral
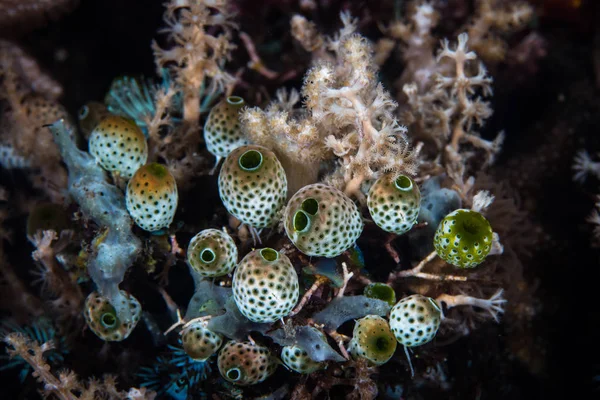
[200, 35]
[197, 57]
[348, 114]
[492, 20]
[442, 94]
[448, 110]
[66, 386]
[417, 43]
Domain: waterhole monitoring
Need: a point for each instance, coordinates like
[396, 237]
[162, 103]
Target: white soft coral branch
[494, 305]
[364, 109]
[197, 54]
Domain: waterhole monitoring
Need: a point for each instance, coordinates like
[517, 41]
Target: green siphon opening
[157, 170]
[234, 374]
[470, 227]
[269, 254]
[235, 100]
[301, 221]
[207, 256]
[251, 160]
[403, 183]
[109, 320]
[382, 343]
[473, 223]
[311, 206]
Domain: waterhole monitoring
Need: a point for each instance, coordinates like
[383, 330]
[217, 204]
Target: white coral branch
[494, 305]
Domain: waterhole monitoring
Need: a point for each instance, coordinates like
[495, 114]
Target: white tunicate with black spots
[394, 204]
[118, 145]
[322, 221]
[151, 197]
[222, 131]
[265, 286]
[415, 320]
[199, 342]
[253, 185]
[245, 363]
[298, 360]
[103, 320]
[212, 253]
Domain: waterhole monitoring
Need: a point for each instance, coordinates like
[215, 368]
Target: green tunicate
[381, 291]
[463, 238]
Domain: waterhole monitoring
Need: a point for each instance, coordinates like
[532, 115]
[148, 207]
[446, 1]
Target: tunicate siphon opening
[251, 160]
[83, 112]
[207, 256]
[311, 206]
[234, 374]
[301, 221]
[235, 100]
[470, 227]
[473, 223]
[434, 304]
[109, 320]
[403, 183]
[157, 170]
[382, 343]
[269, 254]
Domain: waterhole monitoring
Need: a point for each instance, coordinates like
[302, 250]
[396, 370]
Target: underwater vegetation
[306, 216]
[175, 374]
